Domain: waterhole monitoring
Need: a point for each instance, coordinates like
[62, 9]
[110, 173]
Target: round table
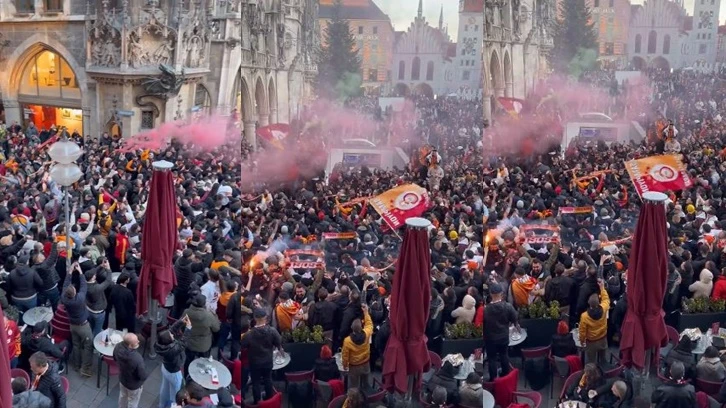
[197, 370]
[488, 399]
[339, 361]
[520, 340]
[278, 363]
[705, 341]
[572, 404]
[104, 349]
[38, 314]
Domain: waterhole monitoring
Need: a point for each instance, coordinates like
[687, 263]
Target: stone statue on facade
[516, 18]
[195, 51]
[488, 19]
[138, 56]
[281, 42]
[163, 87]
[110, 54]
[163, 53]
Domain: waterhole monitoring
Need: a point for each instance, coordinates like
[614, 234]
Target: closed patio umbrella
[6, 392]
[644, 328]
[406, 356]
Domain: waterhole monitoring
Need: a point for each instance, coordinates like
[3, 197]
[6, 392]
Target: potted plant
[701, 312]
[540, 320]
[303, 345]
[461, 338]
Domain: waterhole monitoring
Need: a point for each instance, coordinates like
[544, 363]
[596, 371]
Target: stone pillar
[273, 116]
[509, 89]
[87, 120]
[499, 92]
[250, 133]
[264, 119]
[487, 105]
[13, 112]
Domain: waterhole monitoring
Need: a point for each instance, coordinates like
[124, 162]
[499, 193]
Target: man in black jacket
[260, 342]
[122, 301]
[23, 285]
[498, 316]
[322, 313]
[81, 335]
[184, 278]
[238, 316]
[561, 288]
[588, 287]
[36, 339]
[133, 371]
[676, 392]
[97, 282]
[46, 380]
[46, 270]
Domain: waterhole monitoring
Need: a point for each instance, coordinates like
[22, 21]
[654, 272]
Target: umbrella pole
[154, 318]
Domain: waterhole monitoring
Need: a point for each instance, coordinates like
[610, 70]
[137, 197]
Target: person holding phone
[81, 334]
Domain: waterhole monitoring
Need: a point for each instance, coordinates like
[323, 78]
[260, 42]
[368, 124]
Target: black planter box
[302, 355]
[466, 347]
[701, 320]
[539, 332]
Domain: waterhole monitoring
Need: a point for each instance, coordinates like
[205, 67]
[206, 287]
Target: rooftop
[353, 10]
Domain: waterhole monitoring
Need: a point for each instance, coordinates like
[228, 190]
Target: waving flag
[513, 106]
[659, 173]
[398, 204]
[274, 135]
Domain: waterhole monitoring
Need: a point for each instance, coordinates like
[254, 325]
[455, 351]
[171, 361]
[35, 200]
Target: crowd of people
[237, 298]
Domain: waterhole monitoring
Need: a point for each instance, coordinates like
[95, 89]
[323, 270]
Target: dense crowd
[237, 298]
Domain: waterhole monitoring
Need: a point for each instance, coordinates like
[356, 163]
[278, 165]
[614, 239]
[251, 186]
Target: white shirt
[211, 291]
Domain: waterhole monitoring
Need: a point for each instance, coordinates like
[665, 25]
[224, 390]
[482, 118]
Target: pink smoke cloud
[205, 133]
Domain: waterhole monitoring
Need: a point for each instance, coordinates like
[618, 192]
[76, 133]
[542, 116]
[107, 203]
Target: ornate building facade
[516, 42]
[123, 66]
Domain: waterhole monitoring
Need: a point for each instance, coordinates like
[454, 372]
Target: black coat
[326, 370]
[671, 395]
[24, 282]
[46, 269]
[132, 366]
[350, 313]
[322, 314]
[50, 386]
[563, 345]
[172, 355]
[122, 300]
[184, 276]
[587, 288]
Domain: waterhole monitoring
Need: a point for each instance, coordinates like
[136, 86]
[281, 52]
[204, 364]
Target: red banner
[340, 235]
[307, 265]
[659, 174]
[401, 203]
[553, 228]
[576, 210]
[274, 135]
[513, 106]
[541, 239]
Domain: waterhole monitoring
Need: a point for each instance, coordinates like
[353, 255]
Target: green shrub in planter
[461, 338]
[702, 313]
[540, 310]
[303, 345]
[540, 320]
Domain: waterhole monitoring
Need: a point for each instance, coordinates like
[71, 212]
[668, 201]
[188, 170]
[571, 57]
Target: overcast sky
[402, 13]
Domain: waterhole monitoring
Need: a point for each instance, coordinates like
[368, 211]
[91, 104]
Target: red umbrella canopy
[643, 327]
[6, 392]
[158, 242]
[406, 353]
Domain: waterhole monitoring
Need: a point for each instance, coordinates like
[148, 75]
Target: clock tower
[468, 62]
[704, 36]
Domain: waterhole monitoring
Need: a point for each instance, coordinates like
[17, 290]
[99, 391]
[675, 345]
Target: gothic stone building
[123, 66]
[516, 40]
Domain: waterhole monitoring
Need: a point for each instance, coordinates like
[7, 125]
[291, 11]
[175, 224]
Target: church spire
[441, 18]
[420, 8]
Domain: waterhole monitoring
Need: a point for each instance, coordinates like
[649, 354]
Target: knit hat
[453, 235]
[690, 209]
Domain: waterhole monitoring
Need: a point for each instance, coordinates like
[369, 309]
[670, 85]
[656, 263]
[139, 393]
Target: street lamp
[65, 172]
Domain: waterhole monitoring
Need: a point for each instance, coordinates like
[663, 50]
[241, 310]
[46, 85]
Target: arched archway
[508, 83]
[660, 63]
[272, 96]
[495, 75]
[261, 105]
[639, 63]
[401, 89]
[202, 101]
[423, 89]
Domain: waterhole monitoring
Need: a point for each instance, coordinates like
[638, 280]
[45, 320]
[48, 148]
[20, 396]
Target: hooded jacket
[184, 275]
[594, 322]
[172, 354]
[204, 323]
[704, 285]
[132, 366]
[674, 395]
[24, 282]
[356, 347]
[465, 313]
[323, 314]
[46, 270]
[710, 369]
[31, 399]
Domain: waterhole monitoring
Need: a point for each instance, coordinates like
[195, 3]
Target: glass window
[667, 44]
[69, 83]
[416, 69]
[49, 75]
[430, 71]
[147, 119]
[55, 6]
[637, 43]
[652, 40]
[465, 75]
[202, 100]
[401, 70]
[25, 6]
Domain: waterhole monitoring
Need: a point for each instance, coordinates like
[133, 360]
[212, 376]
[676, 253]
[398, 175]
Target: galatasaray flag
[513, 106]
[398, 204]
[274, 135]
[659, 173]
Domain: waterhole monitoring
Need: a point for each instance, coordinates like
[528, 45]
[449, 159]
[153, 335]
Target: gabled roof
[353, 10]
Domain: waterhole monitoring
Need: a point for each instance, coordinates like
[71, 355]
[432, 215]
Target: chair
[112, 368]
[421, 401]
[561, 368]
[20, 373]
[298, 377]
[323, 392]
[228, 363]
[614, 372]
[533, 396]
[673, 335]
[337, 402]
[66, 385]
[274, 402]
[435, 366]
[532, 353]
[709, 387]
[377, 396]
[570, 380]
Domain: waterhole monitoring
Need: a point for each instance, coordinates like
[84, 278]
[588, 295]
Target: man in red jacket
[719, 289]
[122, 245]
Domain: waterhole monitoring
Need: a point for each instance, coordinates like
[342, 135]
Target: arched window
[638, 38]
[401, 70]
[202, 100]
[430, 71]
[48, 75]
[652, 42]
[416, 69]
[667, 44]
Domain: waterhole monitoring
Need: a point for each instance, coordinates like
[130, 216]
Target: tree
[573, 33]
[338, 60]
